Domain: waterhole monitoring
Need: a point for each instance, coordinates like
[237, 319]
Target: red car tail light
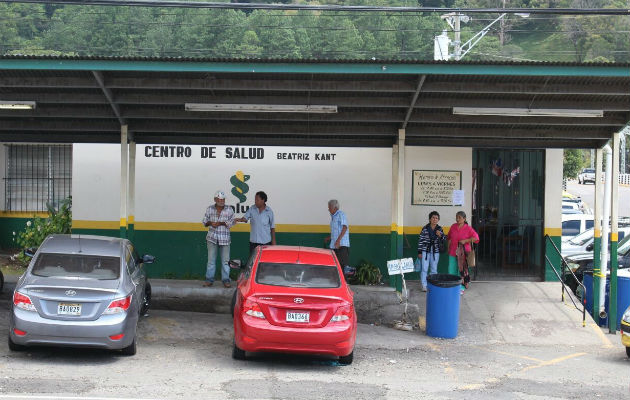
[18, 332]
[23, 301]
[343, 313]
[118, 305]
[252, 309]
[117, 337]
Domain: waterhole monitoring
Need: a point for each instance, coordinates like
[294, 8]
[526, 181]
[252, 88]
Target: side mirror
[589, 247]
[30, 252]
[148, 259]
[235, 264]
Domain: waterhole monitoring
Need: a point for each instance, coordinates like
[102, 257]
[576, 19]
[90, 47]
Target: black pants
[343, 255]
[252, 246]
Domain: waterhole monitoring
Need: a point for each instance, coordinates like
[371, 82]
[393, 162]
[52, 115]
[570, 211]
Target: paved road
[587, 193]
[188, 355]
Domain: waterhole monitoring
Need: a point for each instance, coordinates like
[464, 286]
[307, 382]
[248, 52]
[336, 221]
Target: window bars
[36, 175]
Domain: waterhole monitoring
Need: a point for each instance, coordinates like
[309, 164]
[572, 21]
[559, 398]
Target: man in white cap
[219, 219]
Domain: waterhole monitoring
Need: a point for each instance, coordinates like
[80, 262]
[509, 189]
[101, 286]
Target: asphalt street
[587, 193]
[188, 355]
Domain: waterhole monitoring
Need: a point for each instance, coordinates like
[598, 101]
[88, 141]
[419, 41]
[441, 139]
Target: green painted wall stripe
[554, 258]
[319, 67]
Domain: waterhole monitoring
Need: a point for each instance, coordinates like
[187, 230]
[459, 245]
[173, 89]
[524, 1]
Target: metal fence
[36, 175]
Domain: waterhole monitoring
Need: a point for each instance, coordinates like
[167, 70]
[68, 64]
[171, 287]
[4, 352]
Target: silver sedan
[80, 290]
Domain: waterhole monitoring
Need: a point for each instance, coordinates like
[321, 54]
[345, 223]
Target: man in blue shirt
[340, 236]
[263, 226]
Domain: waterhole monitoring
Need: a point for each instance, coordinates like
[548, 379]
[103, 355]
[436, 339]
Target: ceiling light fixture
[528, 112]
[17, 105]
[288, 108]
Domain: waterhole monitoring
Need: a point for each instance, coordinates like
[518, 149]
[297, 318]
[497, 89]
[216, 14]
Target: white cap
[220, 194]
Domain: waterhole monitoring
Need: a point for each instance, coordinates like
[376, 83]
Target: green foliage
[58, 221]
[573, 163]
[367, 274]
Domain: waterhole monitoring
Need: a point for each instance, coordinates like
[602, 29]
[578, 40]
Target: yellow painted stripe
[614, 237]
[22, 214]
[415, 230]
[554, 361]
[605, 341]
[123, 222]
[598, 233]
[95, 224]
[241, 227]
[553, 231]
[130, 219]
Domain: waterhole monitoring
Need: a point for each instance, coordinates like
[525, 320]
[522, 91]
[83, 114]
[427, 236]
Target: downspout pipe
[605, 231]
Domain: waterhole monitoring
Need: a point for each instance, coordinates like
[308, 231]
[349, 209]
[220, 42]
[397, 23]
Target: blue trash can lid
[444, 280]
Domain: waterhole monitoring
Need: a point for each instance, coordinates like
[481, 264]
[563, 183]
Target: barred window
[36, 175]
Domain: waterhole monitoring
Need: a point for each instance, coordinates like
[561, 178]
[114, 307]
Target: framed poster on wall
[434, 187]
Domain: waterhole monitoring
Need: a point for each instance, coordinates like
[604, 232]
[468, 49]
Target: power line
[314, 7]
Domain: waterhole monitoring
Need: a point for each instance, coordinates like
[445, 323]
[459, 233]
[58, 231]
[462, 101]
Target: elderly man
[340, 236]
[219, 219]
[263, 226]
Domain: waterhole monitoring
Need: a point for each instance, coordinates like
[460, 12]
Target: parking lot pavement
[188, 355]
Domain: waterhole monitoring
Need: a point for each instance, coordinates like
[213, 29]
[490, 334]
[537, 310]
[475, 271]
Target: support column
[124, 163]
[553, 203]
[614, 236]
[597, 241]
[131, 198]
[398, 193]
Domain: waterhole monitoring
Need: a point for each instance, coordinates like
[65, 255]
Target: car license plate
[297, 316]
[69, 309]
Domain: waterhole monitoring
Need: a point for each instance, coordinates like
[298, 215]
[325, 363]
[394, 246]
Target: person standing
[460, 239]
[430, 242]
[263, 226]
[219, 219]
[340, 236]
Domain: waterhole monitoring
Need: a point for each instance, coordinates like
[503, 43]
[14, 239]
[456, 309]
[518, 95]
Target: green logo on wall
[240, 187]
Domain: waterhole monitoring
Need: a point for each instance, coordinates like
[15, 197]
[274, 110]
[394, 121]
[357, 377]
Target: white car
[583, 242]
[625, 330]
[574, 224]
[587, 175]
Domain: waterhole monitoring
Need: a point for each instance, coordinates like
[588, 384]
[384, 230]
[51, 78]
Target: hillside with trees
[39, 29]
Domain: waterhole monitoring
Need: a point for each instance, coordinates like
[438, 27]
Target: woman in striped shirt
[430, 242]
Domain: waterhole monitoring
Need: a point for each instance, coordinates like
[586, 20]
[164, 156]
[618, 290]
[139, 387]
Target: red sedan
[294, 299]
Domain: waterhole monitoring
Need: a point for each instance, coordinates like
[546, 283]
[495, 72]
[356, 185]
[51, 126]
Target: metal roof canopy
[86, 99]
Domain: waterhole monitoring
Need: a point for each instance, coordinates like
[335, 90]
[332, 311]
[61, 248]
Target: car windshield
[582, 238]
[624, 245]
[76, 265]
[298, 275]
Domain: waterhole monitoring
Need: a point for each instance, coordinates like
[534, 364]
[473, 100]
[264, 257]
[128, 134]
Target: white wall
[553, 191]
[178, 189]
[437, 158]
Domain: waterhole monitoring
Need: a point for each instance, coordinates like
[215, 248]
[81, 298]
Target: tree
[573, 163]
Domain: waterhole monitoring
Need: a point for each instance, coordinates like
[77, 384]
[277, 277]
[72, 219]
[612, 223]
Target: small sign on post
[399, 267]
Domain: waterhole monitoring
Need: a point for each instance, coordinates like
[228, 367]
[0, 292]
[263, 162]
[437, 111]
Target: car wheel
[346, 360]
[238, 354]
[130, 350]
[628, 351]
[233, 303]
[146, 299]
[14, 346]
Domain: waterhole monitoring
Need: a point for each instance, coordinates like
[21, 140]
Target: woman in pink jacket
[460, 234]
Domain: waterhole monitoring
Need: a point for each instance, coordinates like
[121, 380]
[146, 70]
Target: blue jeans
[429, 262]
[212, 261]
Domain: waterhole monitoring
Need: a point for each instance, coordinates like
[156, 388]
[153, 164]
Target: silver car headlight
[573, 266]
[626, 315]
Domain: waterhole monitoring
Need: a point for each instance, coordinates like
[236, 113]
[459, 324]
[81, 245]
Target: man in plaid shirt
[219, 219]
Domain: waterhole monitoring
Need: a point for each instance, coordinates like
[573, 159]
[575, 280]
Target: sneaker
[227, 284]
[208, 283]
